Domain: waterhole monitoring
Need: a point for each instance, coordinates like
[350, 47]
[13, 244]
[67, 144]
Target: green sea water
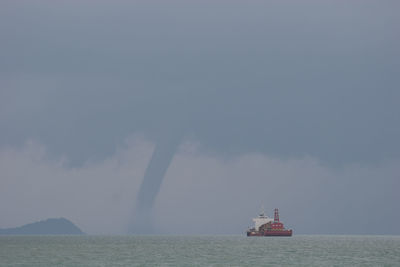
[306, 250]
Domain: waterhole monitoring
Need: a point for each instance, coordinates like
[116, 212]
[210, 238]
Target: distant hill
[60, 226]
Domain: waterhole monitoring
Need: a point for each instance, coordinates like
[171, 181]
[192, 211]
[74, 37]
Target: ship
[266, 226]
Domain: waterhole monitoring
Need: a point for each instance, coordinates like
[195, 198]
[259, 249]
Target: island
[53, 226]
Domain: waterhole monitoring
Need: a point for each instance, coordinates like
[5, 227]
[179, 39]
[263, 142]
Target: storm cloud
[287, 82]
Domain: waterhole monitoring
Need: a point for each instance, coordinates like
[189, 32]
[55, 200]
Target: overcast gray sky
[284, 104]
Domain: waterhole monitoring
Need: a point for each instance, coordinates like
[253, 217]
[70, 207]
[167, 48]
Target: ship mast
[276, 215]
[262, 211]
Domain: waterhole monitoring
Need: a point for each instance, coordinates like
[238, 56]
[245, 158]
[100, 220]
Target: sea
[299, 250]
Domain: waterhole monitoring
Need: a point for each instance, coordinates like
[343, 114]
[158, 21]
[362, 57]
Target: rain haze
[188, 116]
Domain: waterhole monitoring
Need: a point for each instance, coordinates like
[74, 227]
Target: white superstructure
[260, 220]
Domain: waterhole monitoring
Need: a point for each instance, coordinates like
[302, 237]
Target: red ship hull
[279, 233]
[271, 233]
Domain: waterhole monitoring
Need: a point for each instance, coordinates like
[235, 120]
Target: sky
[286, 104]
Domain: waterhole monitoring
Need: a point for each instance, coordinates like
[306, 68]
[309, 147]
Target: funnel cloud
[161, 158]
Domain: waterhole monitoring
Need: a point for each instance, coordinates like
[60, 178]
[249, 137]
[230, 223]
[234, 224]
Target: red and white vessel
[265, 226]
